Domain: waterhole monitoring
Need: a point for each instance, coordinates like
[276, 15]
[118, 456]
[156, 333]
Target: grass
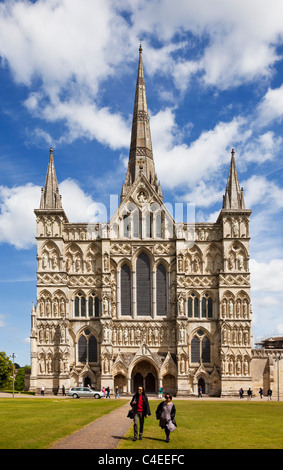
[35, 423]
[215, 425]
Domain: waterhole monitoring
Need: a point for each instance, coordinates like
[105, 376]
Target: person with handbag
[166, 412]
[141, 409]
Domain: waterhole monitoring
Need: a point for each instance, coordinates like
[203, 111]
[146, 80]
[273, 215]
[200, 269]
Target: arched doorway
[87, 381]
[145, 375]
[201, 383]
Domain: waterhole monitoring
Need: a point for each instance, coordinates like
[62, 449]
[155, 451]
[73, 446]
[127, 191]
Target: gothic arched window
[93, 305]
[206, 306]
[193, 306]
[80, 305]
[161, 290]
[143, 285]
[82, 349]
[126, 300]
[87, 347]
[200, 348]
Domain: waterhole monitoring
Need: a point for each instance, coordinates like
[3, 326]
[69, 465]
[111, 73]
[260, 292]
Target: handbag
[131, 414]
[171, 426]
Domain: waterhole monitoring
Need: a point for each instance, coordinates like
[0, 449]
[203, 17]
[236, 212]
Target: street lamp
[13, 356]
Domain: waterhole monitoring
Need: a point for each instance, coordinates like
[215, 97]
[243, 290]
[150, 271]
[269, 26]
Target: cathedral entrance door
[87, 381]
[150, 383]
[144, 374]
[138, 381]
[201, 383]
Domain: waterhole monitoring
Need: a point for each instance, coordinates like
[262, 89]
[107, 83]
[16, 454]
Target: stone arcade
[141, 299]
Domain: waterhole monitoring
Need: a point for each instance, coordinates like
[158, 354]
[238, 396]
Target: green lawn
[215, 425]
[35, 423]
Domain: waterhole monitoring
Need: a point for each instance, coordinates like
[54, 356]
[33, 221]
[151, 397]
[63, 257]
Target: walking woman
[166, 414]
[140, 406]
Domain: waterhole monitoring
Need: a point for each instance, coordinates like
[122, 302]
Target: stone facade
[141, 299]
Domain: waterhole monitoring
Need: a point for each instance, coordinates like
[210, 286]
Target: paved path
[104, 433]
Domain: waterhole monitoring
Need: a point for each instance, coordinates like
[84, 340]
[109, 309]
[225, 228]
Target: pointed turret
[141, 157]
[234, 197]
[50, 197]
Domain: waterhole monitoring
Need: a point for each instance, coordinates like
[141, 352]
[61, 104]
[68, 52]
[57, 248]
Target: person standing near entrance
[141, 408]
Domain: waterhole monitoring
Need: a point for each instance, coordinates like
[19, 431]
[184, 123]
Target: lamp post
[13, 357]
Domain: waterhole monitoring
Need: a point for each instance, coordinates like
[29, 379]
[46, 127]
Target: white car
[77, 392]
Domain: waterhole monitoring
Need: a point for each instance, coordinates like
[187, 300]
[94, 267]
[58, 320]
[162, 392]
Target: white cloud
[179, 164]
[79, 206]
[267, 276]
[17, 219]
[271, 106]
[17, 204]
[64, 51]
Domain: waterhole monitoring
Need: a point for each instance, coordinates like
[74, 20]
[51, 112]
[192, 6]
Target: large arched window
[126, 300]
[161, 290]
[143, 285]
[82, 345]
[87, 347]
[200, 348]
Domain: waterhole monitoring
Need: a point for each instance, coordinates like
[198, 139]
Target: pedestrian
[63, 390]
[141, 408]
[160, 392]
[241, 392]
[200, 392]
[42, 390]
[250, 394]
[117, 392]
[269, 394]
[260, 392]
[103, 389]
[166, 412]
[107, 390]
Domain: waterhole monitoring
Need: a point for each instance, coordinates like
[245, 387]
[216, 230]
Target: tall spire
[141, 157]
[234, 197]
[50, 197]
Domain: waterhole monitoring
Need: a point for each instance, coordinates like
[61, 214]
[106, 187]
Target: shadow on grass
[124, 438]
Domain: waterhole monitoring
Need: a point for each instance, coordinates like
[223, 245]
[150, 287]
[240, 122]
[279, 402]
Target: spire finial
[140, 48]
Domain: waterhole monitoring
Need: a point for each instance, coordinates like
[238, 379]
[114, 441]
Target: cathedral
[142, 299]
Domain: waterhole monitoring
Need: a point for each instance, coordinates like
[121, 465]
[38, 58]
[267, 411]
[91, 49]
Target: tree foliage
[6, 370]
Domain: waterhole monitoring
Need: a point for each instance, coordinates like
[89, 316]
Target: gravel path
[104, 433]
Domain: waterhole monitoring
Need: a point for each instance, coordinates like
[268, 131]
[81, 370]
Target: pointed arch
[143, 285]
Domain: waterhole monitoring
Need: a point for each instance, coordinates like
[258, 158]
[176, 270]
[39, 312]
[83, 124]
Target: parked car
[77, 392]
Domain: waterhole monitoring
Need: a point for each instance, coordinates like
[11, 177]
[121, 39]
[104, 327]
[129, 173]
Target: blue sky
[214, 81]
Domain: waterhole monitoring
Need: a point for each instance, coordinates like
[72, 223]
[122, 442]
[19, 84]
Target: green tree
[6, 371]
[20, 378]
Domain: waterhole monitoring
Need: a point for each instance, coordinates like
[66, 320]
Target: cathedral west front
[142, 299]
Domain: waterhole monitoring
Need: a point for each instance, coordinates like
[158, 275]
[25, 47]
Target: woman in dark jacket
[166, 412]
[140, 406]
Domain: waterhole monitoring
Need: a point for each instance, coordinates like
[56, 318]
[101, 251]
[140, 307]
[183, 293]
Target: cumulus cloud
[64, 51]
[267, 276]
[17, 204]
[178, 164]
[271, 106]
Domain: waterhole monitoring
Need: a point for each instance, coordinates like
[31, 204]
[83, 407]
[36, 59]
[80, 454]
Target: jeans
[138, 418]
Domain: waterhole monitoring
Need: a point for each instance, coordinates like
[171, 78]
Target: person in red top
[140, 405]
